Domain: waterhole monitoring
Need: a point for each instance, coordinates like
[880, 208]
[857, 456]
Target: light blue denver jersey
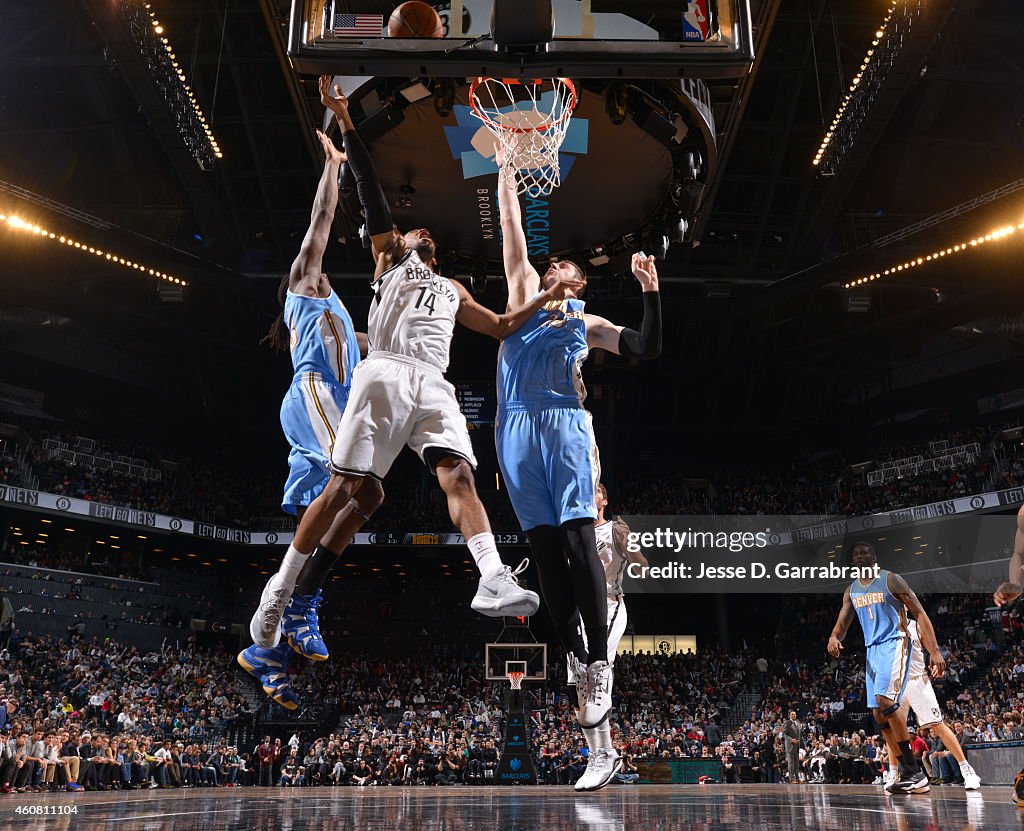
[882, 616]
[322, 337]
[539, 364]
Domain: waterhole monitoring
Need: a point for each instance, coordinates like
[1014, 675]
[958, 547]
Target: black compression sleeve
[375, 205]
[647, 342]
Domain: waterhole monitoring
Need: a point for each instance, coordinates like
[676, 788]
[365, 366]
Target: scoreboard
[478, 402]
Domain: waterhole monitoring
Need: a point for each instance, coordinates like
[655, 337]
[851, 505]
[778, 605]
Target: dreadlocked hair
[277, 337]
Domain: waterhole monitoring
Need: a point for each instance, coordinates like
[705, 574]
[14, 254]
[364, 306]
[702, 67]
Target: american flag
[358, 25]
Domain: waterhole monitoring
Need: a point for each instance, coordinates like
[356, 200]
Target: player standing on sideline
[612, 548]
[399, 395]
[316, 328]
[881, 606]
[548, 456]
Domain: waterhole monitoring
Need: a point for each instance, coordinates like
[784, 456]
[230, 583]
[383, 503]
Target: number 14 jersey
[413, 312]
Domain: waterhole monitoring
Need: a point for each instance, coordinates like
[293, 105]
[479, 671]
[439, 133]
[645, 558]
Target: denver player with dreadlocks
[316, 328]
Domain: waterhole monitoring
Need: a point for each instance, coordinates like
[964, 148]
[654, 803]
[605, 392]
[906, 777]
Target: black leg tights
[589, 585]
[573, 584]
[556, 586]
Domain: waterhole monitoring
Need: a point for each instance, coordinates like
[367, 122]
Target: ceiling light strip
[886, 45]
[16, 223]
[151, 40]
[996, 234]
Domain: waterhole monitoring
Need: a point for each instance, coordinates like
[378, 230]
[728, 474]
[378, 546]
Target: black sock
[315, 571]
[907, 761]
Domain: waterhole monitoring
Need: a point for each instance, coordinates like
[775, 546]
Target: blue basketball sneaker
[301, 628]
[270, 668]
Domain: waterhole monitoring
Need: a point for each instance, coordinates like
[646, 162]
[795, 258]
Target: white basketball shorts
[397, 401]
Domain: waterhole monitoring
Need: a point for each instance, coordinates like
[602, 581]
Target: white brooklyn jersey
[413, 312]
[613, 560]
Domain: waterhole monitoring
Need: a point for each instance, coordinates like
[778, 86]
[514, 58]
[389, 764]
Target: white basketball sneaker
[601, 767]
[599, 695]
[265, 626]
[502, 596]
[971, 779]
[578, 677]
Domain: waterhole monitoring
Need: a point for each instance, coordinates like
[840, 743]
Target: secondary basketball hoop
[515, 671]
[529, 119]
[516, 766]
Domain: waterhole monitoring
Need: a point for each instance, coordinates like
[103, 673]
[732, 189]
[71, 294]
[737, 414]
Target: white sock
[485, 553]
[590, 734]
[597, 737]
[291, 565]
[965, 767]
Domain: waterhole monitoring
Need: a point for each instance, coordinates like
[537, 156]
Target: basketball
[415, 19]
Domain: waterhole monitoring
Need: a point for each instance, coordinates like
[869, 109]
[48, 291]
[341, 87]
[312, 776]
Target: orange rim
[540, 128]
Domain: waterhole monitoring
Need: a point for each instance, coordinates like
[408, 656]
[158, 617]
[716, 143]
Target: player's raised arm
[620, 533]
[523, 279]
[845, 619]
[901, 590]
[1011, 589]
[620, 340]
[388, 245]
[481, 319]
[308, 265]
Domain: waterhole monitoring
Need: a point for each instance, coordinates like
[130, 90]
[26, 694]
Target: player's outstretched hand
[835, 646]
[330, 151]
[337, 103]
[938, 665]
[1006, 593]
[560, 290]
[645, 271]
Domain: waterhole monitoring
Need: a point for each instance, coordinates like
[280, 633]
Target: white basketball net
[529, 119]
[516, 679]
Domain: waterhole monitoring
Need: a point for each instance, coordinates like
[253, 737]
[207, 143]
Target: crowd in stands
[96, 713]
[825, 485]
[103, 715]
[810, 485]
[184, 486]
[68, 576]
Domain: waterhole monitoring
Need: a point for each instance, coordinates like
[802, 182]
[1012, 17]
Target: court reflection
[623, 808]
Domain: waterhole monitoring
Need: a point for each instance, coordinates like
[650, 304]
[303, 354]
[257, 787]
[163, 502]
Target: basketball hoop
[516, 679]
[529, 119]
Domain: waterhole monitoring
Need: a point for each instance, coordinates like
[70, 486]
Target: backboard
[500, 657]
[593, 39]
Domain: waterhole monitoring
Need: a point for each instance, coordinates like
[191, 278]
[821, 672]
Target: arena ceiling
[81, 126]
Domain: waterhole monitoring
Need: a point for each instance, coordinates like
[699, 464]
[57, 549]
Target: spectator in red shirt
[918, 746]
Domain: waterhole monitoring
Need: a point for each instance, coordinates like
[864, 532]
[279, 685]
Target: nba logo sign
[696, 21]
